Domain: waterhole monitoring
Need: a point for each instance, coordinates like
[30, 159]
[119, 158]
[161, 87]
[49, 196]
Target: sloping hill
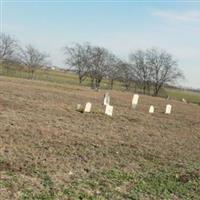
[48, 150]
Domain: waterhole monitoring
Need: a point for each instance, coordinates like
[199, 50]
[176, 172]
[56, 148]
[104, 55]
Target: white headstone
[135, 100]
[151, 109]
[70, 173]
[106, 100]
[168, 109]
[78, 107]
[88, 107]
[109, 110]
[183, 100]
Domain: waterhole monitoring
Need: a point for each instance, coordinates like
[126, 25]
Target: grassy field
[187, 95]
[49, 151]
[72, 79]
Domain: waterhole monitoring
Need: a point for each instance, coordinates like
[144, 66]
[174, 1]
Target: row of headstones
[151, 109]
[109, 108]
[88, 107]
[106, 102]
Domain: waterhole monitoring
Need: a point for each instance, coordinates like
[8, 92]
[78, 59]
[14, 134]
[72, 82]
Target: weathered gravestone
[78, 107]
[106, 100]
[168, 109]
[184, 101]
[109, 110]
[135, 100]
[88, 107]
[151, 109]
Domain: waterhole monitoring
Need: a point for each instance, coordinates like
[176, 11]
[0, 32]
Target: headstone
[109, 110]
[151, 109]
[78, 107]
[168, 109]
[88, 107]
[183, 100]
[70, 173]
[135, 100]
[106, 100]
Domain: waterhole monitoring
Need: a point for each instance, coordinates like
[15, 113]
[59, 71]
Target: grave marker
[109, 110]
[168, 109]
[184, 101]
[135, 100]
[88, 107]
[78, 107]
[106, 100]
[151, 109]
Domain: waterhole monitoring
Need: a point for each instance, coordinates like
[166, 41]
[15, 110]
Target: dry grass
[48, 150]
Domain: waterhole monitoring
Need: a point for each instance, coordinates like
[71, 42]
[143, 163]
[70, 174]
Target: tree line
[148, 69]
[28, 58]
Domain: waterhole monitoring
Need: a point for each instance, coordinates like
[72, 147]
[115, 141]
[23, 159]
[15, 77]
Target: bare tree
[8, 51]
[154, 68]
[99, 63]
[8, 46]
[90, 61]
[126, 74]
[164, 68]
[113, 71]
[142, 71]
[32, 58]
[78, 57]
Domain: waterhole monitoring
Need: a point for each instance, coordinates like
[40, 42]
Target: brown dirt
[40, 130]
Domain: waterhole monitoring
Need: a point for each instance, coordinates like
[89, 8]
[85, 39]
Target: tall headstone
[168, 109]
[135, 100]
[151, 109]
[109, 110]
[106, 100]
[88, 107]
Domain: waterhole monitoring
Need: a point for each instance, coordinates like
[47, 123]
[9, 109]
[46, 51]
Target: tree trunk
[149, 88]
[127, 85]
[111, 84]
[135, 87]
[157, 89]
[156, 92]
[32, 72]
[92, 83]
[80, 80]
[7, 70]
[144, 88]
[97, 83]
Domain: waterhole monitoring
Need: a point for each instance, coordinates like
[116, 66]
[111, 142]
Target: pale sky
[120, 26]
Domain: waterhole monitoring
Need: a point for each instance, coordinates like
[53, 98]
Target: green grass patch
[189, 96]
[116, 184]
[48, 192]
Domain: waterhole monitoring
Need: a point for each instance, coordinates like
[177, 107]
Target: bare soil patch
[48, 148]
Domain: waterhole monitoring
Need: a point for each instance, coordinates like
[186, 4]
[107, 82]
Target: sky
[120, 26]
